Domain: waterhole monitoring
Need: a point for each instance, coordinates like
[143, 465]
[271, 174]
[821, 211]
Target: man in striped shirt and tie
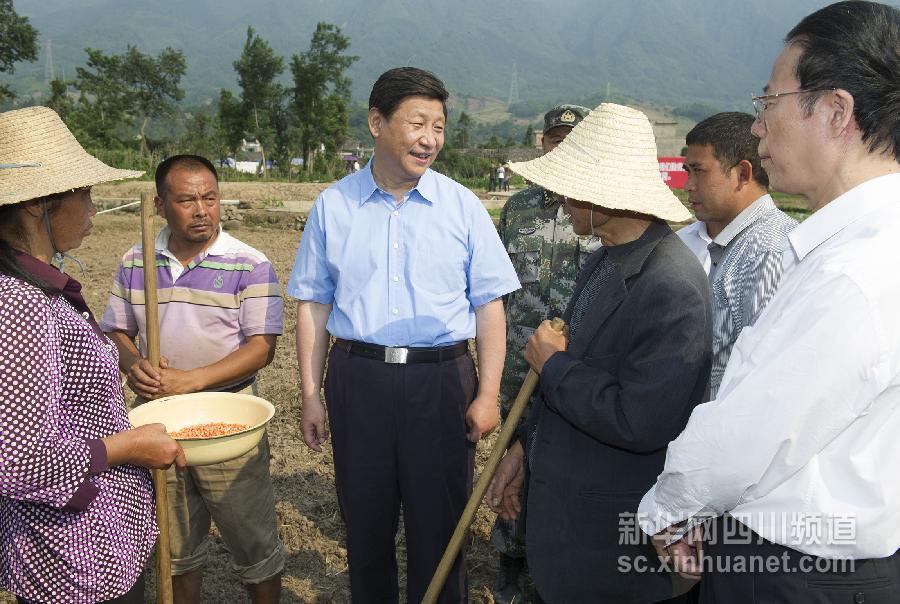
[727, 189]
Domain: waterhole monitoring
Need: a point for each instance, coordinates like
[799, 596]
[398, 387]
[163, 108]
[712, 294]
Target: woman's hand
[148, 446]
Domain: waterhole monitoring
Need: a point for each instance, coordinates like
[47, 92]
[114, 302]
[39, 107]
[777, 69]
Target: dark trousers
[797, 578]
[399, 438]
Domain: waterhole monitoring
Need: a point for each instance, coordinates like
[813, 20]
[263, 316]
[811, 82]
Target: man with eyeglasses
[219, 317]
[728, 191]
[794, 459]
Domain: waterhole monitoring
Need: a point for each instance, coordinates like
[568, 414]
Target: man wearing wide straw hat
[622, 384]
[76, 501]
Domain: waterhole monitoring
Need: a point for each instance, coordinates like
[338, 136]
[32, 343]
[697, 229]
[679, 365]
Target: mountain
[661, 51]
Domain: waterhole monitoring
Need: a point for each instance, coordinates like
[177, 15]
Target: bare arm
[257, 352]
[490, 342]
[312, 348]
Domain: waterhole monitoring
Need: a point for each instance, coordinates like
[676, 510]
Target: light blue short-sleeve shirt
[401, 274]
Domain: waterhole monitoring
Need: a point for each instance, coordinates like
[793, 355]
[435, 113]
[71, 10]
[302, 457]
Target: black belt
[393, 354]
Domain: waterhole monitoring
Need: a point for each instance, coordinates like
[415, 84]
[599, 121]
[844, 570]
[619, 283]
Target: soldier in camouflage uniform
[547, 255]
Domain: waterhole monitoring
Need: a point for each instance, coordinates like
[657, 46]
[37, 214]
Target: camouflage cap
[564, 115]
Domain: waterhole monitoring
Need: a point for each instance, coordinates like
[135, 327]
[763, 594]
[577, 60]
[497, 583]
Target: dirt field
[310, 524]
[255, 192]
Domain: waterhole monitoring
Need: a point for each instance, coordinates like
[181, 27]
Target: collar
[427, 187]
[47, 273]
[219, 247]
[698, 229]
[843, 211]
[69, 288]
[631, 256]
[550, 198]
[748, 216]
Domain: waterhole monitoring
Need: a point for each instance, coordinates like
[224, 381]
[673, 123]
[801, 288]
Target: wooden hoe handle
[484, 480]
[163, 553]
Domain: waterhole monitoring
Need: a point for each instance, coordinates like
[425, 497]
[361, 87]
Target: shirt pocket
[439, 271]
[526, 259]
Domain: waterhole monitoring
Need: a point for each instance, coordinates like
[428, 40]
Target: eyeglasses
[761, 103]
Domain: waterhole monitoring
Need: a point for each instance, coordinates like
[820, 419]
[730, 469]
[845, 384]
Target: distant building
[250, 145]
[668, 143]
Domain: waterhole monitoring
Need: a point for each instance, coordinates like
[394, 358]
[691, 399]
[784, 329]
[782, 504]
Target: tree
[321, 92]
[261, 96]
[18, 42]
[461, 138]
[231, 121]
[116, 90]
[153, 84]
[59, 100]
[102, 111]
[528, 140]
[200, 137]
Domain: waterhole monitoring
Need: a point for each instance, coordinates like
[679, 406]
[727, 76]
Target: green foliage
[491, 136]
[493, 143]
[59, 99]
[321, 92]
[358, 122]
[463, 168]
[528, 139]
[200, 137]
[153, 84]
[461, 136]
[528, 109]
[116, 90]
[261, 95]
[230, 125]
[129, 159]
[18, 42]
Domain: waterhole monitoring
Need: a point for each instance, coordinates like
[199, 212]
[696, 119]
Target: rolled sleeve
[262, 308]
[310, 278]
[119, 314]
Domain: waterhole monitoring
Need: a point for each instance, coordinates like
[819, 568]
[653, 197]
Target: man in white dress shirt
[796, 458]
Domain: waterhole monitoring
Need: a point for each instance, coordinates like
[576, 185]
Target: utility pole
[513, 87]
[49, 72]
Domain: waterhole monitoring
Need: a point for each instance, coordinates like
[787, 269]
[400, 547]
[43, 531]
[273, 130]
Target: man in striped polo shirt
[728, 191]
[220, 313]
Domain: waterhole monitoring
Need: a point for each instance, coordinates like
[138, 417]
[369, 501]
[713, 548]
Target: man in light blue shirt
[401, 265]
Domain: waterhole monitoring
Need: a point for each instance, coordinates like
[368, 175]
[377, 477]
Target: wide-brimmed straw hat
[608, 159]
[39, 157]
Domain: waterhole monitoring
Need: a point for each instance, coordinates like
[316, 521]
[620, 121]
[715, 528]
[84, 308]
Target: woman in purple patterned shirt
[76, 500]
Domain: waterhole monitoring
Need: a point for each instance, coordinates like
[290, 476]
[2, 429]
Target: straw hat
[39, 157]
[609, 160]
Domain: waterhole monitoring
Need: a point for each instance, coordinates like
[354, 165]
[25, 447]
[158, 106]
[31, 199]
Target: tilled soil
[264, 193]
[309, 521]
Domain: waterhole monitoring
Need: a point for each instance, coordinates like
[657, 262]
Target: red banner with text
[672, 171]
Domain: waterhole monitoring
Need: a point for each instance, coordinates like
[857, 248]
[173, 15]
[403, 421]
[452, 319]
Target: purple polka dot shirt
[71, 529]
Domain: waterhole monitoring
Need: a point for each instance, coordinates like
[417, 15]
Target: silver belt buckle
[395, 355]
